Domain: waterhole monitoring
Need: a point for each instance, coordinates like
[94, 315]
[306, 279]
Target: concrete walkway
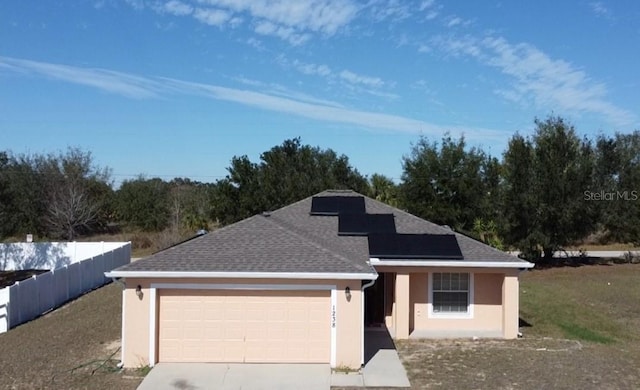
[382, 367]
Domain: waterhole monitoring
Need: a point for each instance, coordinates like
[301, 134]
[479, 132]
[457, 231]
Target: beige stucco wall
[403, 307]
[510, 296]
[350, 325]
[389, 304]
[135, 343]
[137, 322]
[495, 304]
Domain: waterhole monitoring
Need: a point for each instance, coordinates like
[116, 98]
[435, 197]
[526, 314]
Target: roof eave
[240, 275]
[452, 263]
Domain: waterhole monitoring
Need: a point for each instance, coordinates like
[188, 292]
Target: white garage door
[244, 326]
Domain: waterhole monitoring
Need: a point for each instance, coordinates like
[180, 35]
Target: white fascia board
[241, 275]
[452, 263]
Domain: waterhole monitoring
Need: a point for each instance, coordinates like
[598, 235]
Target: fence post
[4, 309]
[17, 306]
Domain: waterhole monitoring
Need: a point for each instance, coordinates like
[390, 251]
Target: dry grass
[604, 247]
[530, 363]
[144, 243]
[74, 347]
[583, 333]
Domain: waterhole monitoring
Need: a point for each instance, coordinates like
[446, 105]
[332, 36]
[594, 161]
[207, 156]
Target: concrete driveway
[204, 376]
[382, 369]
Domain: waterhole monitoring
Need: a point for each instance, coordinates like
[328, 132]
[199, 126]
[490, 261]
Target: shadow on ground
[374, 341]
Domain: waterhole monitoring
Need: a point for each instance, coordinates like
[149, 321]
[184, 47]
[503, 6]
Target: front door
[374, 303]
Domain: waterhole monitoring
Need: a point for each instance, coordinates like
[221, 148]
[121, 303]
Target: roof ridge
[411, 215]
[313, 240]
[201, 237]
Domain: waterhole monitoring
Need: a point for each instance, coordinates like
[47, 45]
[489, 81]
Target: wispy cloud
[453, 21]
[123, 84]
[312, 69]
[211, 16]
[390, 10]
[363, 119]
[177, 8]
[423, 48]
[136, 4]
[426, 4]
[537, 78]
[430, 9]
[286, 33]
[354, 78]
[291, 20]
[138, 87]
[601, 10]
[255, 43]
[280, 90]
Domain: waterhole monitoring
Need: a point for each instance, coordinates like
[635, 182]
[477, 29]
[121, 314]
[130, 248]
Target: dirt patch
[581, 329]
[73, 347]
[7, 278]
[112, 346]
[517, 364]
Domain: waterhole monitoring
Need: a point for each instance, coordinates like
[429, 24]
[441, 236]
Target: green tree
[487, 232]
[618, 183]
[286, 173]
[520, 201]
[25, 196]
[383, 189]
[54, 195]
[239, 195]
[5, 198]
[448, 183]
[189, 204]
[545, 181]
[143, 203]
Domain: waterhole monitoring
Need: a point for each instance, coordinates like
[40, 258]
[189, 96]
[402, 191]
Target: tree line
[549, 190]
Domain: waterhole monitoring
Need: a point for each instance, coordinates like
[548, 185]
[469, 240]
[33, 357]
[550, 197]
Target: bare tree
[71, 209]
[74, 203]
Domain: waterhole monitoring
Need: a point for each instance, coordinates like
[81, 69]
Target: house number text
[333, 316]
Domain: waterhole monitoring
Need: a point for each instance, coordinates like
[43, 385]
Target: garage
[235, 326]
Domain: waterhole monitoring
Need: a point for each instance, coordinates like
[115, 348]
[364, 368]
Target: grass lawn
[583, 333]
[581, 329]
[73, 347]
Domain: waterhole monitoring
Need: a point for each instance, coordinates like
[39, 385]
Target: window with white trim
[451, 293]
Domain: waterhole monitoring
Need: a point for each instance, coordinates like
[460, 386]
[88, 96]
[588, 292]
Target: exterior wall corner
[510, 309]
[135, 332]
[403, 310]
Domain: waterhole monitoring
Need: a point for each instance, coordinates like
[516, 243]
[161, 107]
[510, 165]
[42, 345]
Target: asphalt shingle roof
[293, 241]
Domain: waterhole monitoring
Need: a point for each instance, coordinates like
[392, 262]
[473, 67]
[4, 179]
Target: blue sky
[179, 87]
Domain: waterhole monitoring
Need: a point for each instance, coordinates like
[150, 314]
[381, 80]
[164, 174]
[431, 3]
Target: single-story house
[301, 283]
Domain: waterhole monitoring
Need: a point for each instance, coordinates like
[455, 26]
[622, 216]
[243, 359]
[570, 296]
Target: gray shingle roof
[289, 240]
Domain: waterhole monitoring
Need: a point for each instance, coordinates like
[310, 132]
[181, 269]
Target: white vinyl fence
[49, 255]
[39, 294]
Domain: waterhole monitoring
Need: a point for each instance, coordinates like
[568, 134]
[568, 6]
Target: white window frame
[459, 315]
